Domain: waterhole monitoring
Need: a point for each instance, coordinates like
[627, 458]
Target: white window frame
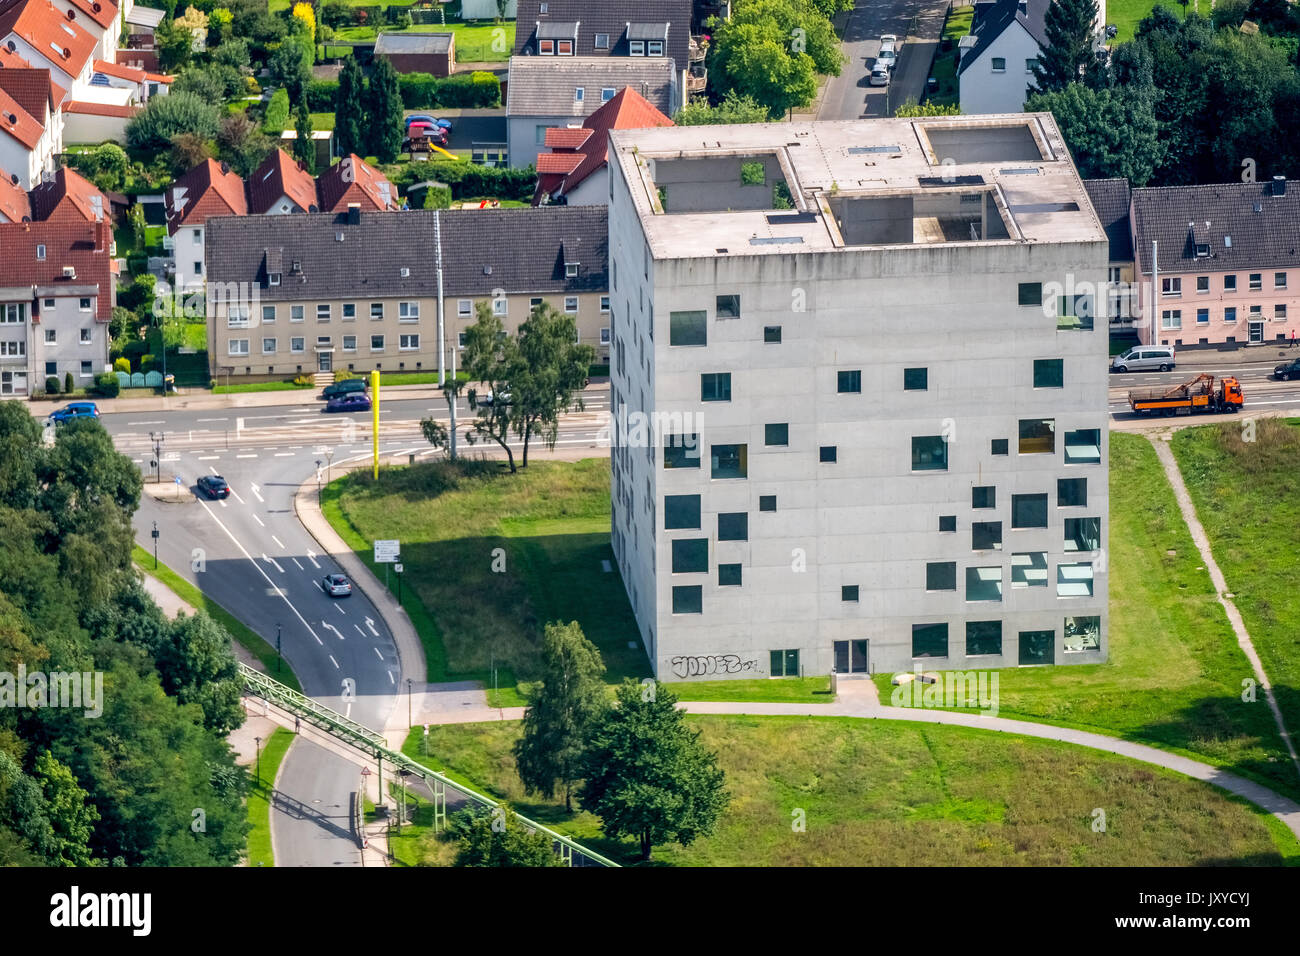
[406, 337]
[274, 344]
[382, 342]
[571, 305]
[636, 48]
[268, 314]
[300, 309]
[51, 337]
[601, 46]
[353, 307]
[87, 338]
[13, 313]
[301, 341]
[40, 252]
[993, 64]
[83, 303]
[408, 311]
[324, 311]
[604, 305]
[464, 307]
[654, 48]
[232, 347]
[382, 310]
[353, 346]
[15, 349]
[1171, 319]
[87, 369]
[604, 335]
[501, 307]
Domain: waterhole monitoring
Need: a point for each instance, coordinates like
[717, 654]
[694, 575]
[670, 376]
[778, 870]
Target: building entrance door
[324, 361]
[851, 657]
[1257, 331]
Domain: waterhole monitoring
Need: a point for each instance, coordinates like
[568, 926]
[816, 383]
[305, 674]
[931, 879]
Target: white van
[1144, 358]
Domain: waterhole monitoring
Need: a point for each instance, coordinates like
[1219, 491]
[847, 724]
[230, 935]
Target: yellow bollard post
[374, 405]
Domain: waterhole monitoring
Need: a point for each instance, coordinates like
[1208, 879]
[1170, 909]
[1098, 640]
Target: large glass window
[983, 637]
[681, 511]
[948, 523]
[728, 306]
[688, 328]
[1082, 634]
[1083, 447]
[1037, 647]
[715, 387]
[690, 555]
[984, 496]
[984, 584]
[850, 381]
[688, 599]
[785, 663]
[729, 575]
[929, 640]
[1029, 569]
[916, 379]
[1071, 492]
[1074, 580]
[1029, 511]
[681, 451]
[729, 461]
[929, 453]
[776, 434]
[941, 576]
[733, 526]
[1037, 436]
[1082, 534]
[1049, 373]
[986, 536]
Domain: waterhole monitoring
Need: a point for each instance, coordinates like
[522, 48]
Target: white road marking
[284, 454]
[245, 456]
[359, 631]
[208, 457]
[311, 556]
[273, 562]
[237, 498]
[331, 627]
[212, 419]
[318, 585]
[339, 608]
[146, 423]
[318, 640]
[137, 461]
[334, 662]
[295, 561]
[258, 494]
[370, 623]
[390, 678]
[259, 521]
[377, 654]
[222, 502]
[281, 544]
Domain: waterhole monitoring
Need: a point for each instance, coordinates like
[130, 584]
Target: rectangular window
[500, 306]
[1037, 436]
[51, 337]
[376, 310]
[1082, 534]
[1171, 285]
[349, 343]
[784, 663]
[13, 314]
[1230, 283]
[268, 345]
[1074, 313]
[983, 638]
[929, 640]
[999, 64]
[239, 346]
[681, 451]
[948, 523]
[1037, 647]
[929, 453]
[849, 593]
[602, 41]
[984, 496]
[564, 48]
[733, 526]
[408, 312]
[349, 311]
[604, 335]
[268, 313]
[986, 536]
[1029, 511]
[1074, 580]
[571, 270]
[916, 379]
[1029, 569]
[1030, 64]
[1049, 373]
[687, 328]
[827, 453]
[654, 48]
[772, 334]
[849, 381]
[464, 307]
[295, 313]
[298, 344]
[571, 305]
[728, 575]
[1071, 492]
[636, 48]
[546, 47]
[999, 446]
[323, 312]
[47, 303]
[729, 461]
[767, 502]
[690, 555]
[13, 350]
[40, 253]
[1083, 447]
[408, 343]
[715, 387]
[1171, 319]
[1279, 312]
[1230, 315]
[778, 434]
[1203, 316]
[681, 511]
[984, 584]
[87, 368]
[1029, 293]
[1256, 281]
[83, 304]
[604, 304]
[1279, 280]
[376, 343]
[1082, 634]
[688, 600]
[941, 576]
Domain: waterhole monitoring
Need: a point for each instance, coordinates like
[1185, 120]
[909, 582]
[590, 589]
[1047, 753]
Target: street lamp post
[318, 492]
[157, 439]
[329, 464]
[409, 682]
[155, 545]
[277, 647]
[258, 742]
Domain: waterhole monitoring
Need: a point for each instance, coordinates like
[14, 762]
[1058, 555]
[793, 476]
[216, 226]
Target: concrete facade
[833, 546]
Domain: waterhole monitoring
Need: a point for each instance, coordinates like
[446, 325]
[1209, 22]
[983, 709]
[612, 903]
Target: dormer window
[273, 278]
[40, 253]
[542, 8]
[654, 48]
[296, 267]
[607, 94]
[578, 94]
[571, 270]
[546, 47]
[564, 48]
[636, 48]
[1202, 250]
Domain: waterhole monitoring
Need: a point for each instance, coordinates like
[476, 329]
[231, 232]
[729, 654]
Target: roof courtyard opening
[946, 215]
[1001, 143]
[725, 182]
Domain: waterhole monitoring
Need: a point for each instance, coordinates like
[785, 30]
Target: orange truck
[1200, 394]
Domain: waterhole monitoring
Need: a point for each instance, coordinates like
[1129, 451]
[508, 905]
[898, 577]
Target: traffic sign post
[397, 569]
[155, 545]
[387, 551]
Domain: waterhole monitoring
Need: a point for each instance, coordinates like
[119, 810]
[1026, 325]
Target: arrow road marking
[370, 623]
[258, 494]
[311, 556]
[331, 627]
[272, 560]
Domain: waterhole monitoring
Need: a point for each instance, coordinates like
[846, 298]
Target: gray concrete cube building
[859, 396]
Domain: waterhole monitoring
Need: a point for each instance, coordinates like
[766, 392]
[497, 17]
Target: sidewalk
[203, 400]
[1268, 354]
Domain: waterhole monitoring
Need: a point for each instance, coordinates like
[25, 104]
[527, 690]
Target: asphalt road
[849, 96]
[1262, 391]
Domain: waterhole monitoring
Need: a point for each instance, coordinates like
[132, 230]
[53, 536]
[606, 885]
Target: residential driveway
[918, 23]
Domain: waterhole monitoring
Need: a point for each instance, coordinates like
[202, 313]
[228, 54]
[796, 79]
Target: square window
[571, 305]
[1229, 283]
[983, 638]
[295, 313]
[1037, 647]
[1082, 634]
[1071, 492]
[1082, 534]
[87, 368]
[464, 307]
[1256, 281]
[827, 453]
[1029, 293]
[929, 640]
[984, 584]
[681, 511]
[688, 600]
[715, 387]
[729, 575]
[687, 328]
[654, 48]
[571, 270]
[690, 555]
[929, 453]
[1029, 511]
[268, 313]
[376, 343]
[323, 312]
[729, 461]
[778, 434]
[733, 526]
[51, 336]
[948, 523]
[728, 307]
[297, 344]
[682, 451]
[999, 446]
[1074, 580]
[984, 496]
[83, 304]
[1203, 316]
[500, 306]
[376, 310]
[1074, 313]
[349, 343]
[1279, 280]
[849, 592]
[941, 576]
[1083, 447]
[767, 502]
[1029, 569]
[1037, 436]
[268, 345]
[772, 334]
[349, 310]
[986, 536]
[1049, 373]
[999, 64]
[916, 379]
[785, 663]
[1202, 283]
[849, 381]
[636, 48]
[602, 41]
[1171, 285]
[408, 311]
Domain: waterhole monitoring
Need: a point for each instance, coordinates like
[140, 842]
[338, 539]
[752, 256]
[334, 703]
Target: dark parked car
[356, 402]
[74, 410]
[337, 585]
[214, 486]
[1288, 371]
[346, 387]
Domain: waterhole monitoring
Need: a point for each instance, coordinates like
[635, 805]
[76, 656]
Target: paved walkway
[1202, 541]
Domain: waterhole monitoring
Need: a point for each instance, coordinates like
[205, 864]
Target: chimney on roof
[1279, 185]
[225, 168]
[354, 214]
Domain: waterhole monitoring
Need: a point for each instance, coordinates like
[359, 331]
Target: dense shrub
[107, 384]
[166, 116]
[277, 113]
[467, 179]
[122, 365]
[425, 91]
[68, 385]
[321, 95]
[51, 385]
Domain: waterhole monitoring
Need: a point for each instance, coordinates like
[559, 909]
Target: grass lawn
[194, 335]
[802, 690]
[944, 68]
[242, 633]
[259, 797]
[477, 41]
[1247, 496]
[1174, 675]
[416, 378]
[876, 793]
[260, 387]
[1127, 14]
[320, 121]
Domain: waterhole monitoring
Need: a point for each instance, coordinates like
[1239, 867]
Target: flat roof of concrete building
[780, 188]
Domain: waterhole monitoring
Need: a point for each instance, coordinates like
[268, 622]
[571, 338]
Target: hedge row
[422, 91]
[468, 180]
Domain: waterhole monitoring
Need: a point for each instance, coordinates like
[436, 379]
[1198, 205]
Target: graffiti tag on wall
[710, 664]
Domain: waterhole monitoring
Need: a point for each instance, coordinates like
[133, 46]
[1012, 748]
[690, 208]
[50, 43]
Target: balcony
[697, 50]
[697, 80]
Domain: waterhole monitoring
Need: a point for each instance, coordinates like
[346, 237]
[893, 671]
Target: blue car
[422, 118]
[356, 402]
[74, 410]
